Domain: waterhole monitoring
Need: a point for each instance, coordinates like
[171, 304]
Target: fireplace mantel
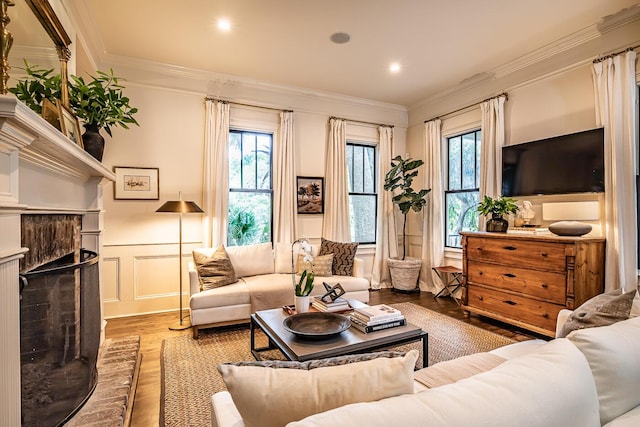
[41, 171]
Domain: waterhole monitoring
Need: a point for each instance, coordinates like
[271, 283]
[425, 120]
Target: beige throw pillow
[291, 394]
[343, 255]
[214, 271]
[321, 265]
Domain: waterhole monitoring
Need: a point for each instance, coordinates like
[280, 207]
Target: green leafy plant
[39, 84]
[499, 206]
[400, 177]
[101, 101]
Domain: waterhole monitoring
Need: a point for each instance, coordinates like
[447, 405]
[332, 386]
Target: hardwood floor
[153, 328]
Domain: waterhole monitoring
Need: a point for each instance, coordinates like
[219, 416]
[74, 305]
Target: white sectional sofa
[264, 278]
[590, 378]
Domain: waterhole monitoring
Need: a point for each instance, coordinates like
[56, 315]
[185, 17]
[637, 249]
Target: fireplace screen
[59, 337]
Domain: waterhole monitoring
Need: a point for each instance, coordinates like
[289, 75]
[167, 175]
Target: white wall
[141, 246]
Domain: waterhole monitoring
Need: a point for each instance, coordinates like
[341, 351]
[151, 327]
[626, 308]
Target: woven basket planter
[404, 273]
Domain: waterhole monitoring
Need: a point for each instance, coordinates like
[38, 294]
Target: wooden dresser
[525, 280]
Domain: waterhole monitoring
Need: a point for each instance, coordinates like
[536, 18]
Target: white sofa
[264, 275]
[590, 378]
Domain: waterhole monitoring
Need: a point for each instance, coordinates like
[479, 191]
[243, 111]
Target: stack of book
[528, 230]
[339, 304]
[376, 318]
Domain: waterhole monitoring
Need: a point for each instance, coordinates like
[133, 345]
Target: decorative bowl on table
[316, 325]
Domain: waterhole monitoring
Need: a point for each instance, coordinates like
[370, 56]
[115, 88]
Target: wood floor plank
[153, 328]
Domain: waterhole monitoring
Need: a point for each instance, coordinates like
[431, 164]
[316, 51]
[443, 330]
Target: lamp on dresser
[180, 207]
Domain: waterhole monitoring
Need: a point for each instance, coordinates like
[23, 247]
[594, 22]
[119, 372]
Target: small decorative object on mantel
[570, 228]
[304, 286]
[497, 208]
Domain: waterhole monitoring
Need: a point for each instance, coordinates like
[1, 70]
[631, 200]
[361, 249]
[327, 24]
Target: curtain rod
[224, 101]
[505, 94]
[611, 55]
[363, 122]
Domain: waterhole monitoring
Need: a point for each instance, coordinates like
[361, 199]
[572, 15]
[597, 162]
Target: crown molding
[620, 19]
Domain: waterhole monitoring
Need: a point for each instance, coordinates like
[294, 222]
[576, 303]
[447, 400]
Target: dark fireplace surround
[59, 319]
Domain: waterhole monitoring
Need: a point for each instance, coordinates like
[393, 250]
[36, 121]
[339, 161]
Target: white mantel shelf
[40, 143]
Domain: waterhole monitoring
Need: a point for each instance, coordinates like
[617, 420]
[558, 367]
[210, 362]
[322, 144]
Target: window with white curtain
[363, 197]
[250, 188]
[462, 191]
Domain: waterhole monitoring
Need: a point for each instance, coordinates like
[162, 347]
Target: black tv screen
[564, 164]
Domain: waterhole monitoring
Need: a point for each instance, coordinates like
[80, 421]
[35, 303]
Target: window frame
[270, 191]
[375, 185]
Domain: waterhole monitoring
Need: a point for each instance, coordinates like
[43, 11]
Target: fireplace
[59, 320]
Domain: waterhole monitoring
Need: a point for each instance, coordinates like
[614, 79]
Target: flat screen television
[563, 164]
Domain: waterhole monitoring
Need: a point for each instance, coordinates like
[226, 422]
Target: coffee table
[351, 341]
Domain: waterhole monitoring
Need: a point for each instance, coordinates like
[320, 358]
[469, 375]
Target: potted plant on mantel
[406, 270]
[497, 208]
[99, 103]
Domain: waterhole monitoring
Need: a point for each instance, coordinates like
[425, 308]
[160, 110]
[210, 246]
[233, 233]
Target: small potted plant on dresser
[406, 270]
[497, 208]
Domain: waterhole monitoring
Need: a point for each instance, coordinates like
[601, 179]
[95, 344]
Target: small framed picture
[51, 113]
[136, 183]
[69, 124]
[310, 195]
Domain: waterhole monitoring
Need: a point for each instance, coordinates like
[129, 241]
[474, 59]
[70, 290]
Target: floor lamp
[180, 207]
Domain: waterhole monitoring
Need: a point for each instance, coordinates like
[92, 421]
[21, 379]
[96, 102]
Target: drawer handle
[510, 248]
[545, 315]
[479, 248]
[544, 286]
[480, 298]
[544, 254]
[511, 275]
[509, 302]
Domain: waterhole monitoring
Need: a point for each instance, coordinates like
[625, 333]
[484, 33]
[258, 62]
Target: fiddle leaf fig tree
[101, 101]
[400, 177]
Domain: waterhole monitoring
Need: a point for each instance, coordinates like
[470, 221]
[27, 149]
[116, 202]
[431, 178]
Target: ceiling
[287, 42]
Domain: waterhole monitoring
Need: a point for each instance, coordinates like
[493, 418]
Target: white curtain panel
[216, 173]
[615, 90]
[386, 232]
[433, 226]
[491, 151]
[336, 223]
[284, 182]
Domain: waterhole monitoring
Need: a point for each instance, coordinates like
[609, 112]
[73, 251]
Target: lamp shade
[180, 206]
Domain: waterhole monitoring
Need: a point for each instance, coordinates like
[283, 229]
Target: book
[528, 230]
[355, 318]
[377, 312]
[379, 327]
[339, 304]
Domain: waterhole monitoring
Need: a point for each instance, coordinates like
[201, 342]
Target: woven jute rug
[190, 375]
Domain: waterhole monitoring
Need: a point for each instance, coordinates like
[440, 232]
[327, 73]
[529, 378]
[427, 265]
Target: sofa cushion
[348, 283]
[343, 255]
[251, 260]
[612, 353]
[286, 395]
[230, 295]
[215, 270]
[450, 371]
[321, 265]
[282, 257]
[550, 387]
[601, 310]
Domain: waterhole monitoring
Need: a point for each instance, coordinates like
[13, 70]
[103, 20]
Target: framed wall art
[136, 183]
[69, 124]
[310, 195]
[51, 113]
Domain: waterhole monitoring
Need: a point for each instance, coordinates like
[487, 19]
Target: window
[462, 194]
[250, 188]
[363, 199]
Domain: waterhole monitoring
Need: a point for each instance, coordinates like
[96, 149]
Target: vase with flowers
[304, 285]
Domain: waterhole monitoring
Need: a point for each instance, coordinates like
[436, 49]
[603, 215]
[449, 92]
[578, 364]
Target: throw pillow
[321, 265]
[291, 394]
[601, 310]
[251, 260]
[635, 305]
[320, 363]
[214, 271]
[343, 255]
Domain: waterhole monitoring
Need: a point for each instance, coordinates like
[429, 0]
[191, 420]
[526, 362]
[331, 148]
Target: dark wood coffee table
[351, 341]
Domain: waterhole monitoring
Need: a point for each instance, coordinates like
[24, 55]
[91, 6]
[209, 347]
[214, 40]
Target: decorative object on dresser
[405, 271]
[180, 206]
[525, 280]
[497, 208]
[568, 215]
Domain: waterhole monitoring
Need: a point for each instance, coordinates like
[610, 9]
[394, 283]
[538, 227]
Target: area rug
[190, 377]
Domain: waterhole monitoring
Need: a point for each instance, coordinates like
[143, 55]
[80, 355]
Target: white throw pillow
[251, 260]
[612, 352]
[635, 305]
[271, 397]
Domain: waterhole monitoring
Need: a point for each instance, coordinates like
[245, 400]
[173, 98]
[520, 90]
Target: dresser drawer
[518, 253]
[533, 312]
[547, 285]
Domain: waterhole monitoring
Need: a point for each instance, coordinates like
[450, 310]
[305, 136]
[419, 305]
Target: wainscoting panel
[111, 280]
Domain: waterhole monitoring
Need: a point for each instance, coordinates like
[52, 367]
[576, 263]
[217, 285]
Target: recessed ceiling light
[224, 24]
[394, 67]
[340, 38]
